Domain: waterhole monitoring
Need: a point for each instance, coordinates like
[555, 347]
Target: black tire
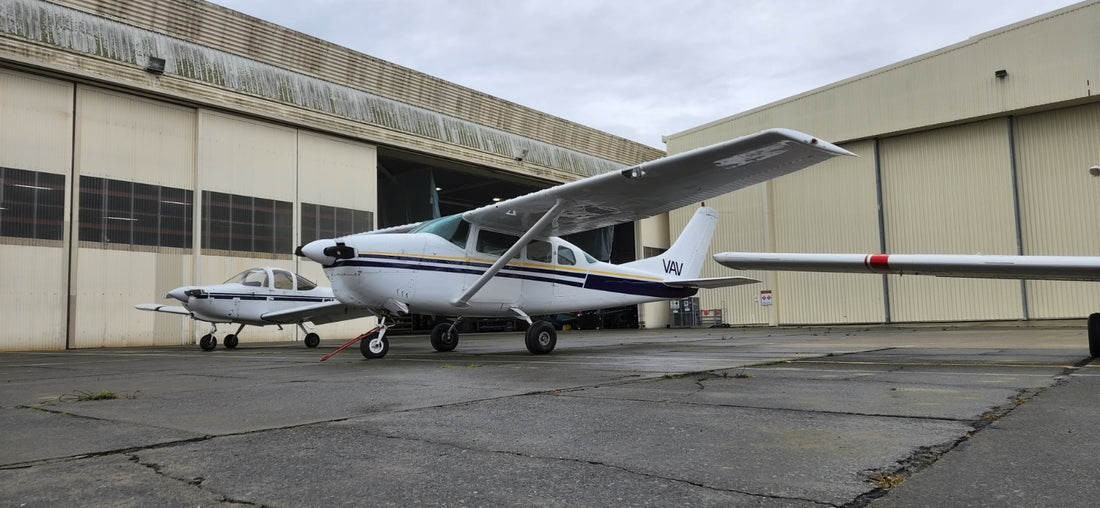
[443, 341]
[1094, 334]
[313, 340]
[230, 341]
[208, 342]
[541, 338]
[372, 347]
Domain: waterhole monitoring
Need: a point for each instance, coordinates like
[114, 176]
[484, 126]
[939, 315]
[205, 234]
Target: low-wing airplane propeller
[258, 297]
[1069, 268]
[508, 259]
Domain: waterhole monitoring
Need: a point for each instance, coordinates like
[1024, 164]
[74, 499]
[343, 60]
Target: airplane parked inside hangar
[508, 260]
[1068, 268]
[258, 297]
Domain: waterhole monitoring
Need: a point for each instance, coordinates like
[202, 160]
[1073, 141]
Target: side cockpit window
[566, 256]
[305, 284]
[283, 280]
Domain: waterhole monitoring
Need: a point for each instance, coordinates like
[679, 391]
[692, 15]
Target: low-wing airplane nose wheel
[230, 341]
[541, 337]
[376, 345]
[208, 342]
[313, 340]
[444, 337]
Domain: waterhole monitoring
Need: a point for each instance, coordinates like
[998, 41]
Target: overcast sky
[641, 69]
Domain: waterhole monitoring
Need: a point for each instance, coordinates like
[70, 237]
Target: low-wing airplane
[1071, 268]
[258, 297]
[508, 260]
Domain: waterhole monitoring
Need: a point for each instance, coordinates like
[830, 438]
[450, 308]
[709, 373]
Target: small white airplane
[508, 260]
[258, 297]
[1071, 268]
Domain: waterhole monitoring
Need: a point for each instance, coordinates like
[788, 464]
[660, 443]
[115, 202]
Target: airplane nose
[178, 293]
[326, 251]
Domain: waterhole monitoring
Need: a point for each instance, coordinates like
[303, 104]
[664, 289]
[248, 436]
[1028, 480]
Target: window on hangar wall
[119, 212]
[32, 204]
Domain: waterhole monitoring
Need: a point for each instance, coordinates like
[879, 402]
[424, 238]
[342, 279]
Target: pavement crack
[602, 464]
[196, 482]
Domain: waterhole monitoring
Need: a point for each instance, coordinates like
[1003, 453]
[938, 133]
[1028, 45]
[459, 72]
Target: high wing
[658, 186]
[171, 309]
[320, 313]
[711, 283]
[1072, 268]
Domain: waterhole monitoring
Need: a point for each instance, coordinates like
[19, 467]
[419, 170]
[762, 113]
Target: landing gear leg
[230, 341]
[1094, 335]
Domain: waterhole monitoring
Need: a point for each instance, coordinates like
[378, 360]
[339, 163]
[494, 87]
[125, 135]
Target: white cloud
[643, 69]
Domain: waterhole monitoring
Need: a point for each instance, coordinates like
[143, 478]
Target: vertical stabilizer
[684, 260]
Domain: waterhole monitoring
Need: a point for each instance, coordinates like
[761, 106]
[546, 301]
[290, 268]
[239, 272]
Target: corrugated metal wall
[1060, 202]
[832, 207]
[36, 129]
[80, 131]
[949, 191]
[127, 138]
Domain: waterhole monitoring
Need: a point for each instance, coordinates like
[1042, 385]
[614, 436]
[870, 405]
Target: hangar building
[983, 147]
[148, 145]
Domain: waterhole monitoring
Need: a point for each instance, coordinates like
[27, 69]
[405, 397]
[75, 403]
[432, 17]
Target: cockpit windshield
[256, 277]
[452, 228]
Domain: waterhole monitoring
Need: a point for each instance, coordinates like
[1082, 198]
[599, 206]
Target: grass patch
[886, 481]
[86, 396]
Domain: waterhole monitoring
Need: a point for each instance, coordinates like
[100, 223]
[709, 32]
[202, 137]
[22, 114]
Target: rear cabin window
[493, 243]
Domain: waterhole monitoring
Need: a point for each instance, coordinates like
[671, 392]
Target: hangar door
[1060, 202]
[134, 161]
[36, 125]
[950, 191]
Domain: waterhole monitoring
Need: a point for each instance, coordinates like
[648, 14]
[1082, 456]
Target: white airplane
[508, 260]
[1071, 268]
[258, 297]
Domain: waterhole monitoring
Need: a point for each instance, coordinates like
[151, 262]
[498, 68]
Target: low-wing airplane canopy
[658, 186]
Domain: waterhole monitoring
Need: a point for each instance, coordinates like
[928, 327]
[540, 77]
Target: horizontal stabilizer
[171, 309]
[711, 283]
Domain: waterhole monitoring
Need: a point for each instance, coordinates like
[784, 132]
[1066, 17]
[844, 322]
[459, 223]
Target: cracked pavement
[716, 417]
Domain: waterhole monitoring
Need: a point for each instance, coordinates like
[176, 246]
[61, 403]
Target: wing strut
[463, 300]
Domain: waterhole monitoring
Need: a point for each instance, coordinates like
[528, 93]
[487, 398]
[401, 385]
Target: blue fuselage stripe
[622, 285]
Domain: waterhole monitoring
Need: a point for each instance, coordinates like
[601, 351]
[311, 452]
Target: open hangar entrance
[414, 187]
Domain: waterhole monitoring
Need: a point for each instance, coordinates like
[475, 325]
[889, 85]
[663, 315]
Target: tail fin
[684, 260]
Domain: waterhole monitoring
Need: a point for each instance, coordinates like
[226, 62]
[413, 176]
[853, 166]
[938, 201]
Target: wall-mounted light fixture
[521, 155]
[1094, 171]
[155, 65]
[1001, 74]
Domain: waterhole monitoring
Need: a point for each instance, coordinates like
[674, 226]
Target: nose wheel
[208, 342]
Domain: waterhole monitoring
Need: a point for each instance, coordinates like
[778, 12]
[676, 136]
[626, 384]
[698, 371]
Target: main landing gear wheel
[313, 340]
[444, 337]
[1094, 334]
[541, 338]
[230, 341]
[208, 342]
[374, 346]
